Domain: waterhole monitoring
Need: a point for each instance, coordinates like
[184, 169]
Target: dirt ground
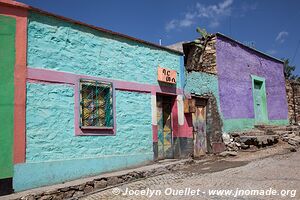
[271, 173]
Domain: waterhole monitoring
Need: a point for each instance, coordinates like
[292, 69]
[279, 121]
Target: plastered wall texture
[55, 140]
[53, 152]
[202, 83]
[235, 66]
[53, 145]
[58, 45]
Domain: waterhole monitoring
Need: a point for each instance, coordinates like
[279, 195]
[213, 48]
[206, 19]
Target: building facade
[246, 88]
[79, 100]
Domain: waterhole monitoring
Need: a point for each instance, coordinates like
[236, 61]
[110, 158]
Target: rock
[238, 144]
[126, 177]
[64, 189]
[244, 146]
[46, 197]
[237, 139]
[28, 197]
[134, 175]
[81, 187]
[292, 149]
[294, 141]
[291, 142]
[291, 135]
[228, 153]
[78, 193]
[74, 187]
[100, 184]
[68, 194]
[50, 192]
[231, 145]
[112, 180]
[88, 189]
[91, 183]
[58, 196]
[235, 135]
[226, 138]
[160, 170]
[189, 161]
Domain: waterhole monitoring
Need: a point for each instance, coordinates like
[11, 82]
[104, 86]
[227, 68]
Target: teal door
[259, 96]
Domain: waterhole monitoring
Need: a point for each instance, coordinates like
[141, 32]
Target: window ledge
[96, 131]
[96, 128]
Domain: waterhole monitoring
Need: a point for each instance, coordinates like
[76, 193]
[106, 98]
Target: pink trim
[175, 118]
[19, 78]
[70, 78]
[187, 129]
[155, 133]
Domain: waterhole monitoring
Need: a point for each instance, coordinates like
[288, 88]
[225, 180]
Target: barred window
[96, 104]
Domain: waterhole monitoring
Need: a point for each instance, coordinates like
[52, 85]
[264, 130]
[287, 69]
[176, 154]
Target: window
[96, 105]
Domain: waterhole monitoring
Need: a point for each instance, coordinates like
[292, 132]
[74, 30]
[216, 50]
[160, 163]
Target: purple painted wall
[235, 65]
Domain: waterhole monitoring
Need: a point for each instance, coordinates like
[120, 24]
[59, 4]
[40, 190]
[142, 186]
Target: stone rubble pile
[262, 136]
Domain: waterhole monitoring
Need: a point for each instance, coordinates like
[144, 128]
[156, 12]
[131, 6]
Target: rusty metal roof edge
[253, 49]
[25, 6]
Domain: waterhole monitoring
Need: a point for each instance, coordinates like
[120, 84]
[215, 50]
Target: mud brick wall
[203, 61]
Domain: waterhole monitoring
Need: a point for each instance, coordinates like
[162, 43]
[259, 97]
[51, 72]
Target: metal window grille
[96, 104]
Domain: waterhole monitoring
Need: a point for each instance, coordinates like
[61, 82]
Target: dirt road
[276, 177]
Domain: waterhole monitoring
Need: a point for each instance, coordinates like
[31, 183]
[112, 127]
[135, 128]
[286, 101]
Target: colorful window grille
[96, 104]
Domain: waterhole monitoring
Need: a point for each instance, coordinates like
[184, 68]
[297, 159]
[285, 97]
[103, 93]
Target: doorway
[199, 127]
[259, 100]
[164, 125]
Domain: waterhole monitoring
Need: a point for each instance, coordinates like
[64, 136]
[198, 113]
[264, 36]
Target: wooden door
[199, 131]
[164, 125]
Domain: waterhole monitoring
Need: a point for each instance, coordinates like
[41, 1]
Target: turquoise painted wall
[202, 83]
[230, 125]
[55, 154]
[59, 45]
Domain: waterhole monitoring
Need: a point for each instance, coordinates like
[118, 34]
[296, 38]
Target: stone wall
[293, 97]
[203, 61]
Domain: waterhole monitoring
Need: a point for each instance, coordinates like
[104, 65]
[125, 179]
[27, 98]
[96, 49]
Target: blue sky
[272, 26]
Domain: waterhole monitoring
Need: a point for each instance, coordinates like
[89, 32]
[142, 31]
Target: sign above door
[166, 75]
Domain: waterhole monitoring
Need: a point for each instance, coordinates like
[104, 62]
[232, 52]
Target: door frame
[173, 129]
[200, 102]
[264, 99]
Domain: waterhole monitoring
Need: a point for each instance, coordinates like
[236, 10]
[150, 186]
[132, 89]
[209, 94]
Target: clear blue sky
[271, 25]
